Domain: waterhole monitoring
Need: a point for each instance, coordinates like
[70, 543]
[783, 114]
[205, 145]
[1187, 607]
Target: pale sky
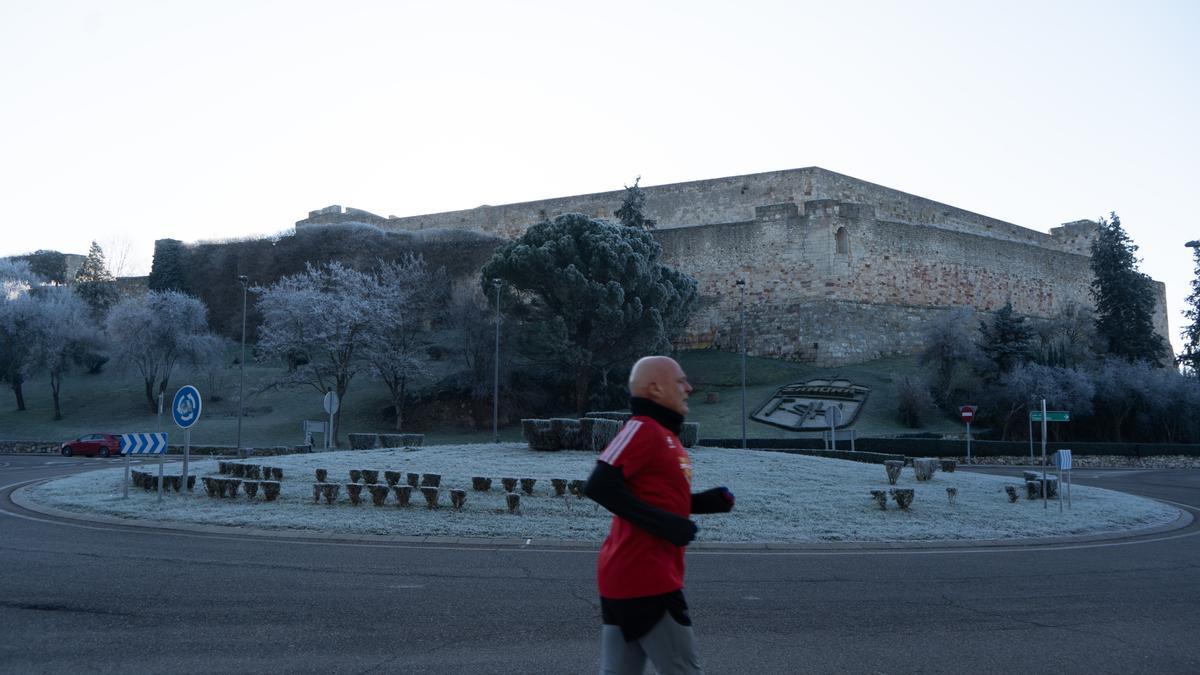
[127, 122]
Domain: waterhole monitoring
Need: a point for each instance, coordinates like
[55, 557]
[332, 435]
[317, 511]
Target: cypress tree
[1124, 297]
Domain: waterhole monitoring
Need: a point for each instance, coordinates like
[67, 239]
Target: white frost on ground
[780, 498]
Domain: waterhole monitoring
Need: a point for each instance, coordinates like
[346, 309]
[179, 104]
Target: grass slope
[114, 402]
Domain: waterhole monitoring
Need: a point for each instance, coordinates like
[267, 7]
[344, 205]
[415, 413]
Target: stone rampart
[729, 200]
[836, 270]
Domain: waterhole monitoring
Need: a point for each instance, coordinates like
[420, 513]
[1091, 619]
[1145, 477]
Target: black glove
[716, 500]
[680, 531]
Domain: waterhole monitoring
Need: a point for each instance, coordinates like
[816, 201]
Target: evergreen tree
[1124, 297]
[597, 293]
[631, 213]
[166, 272]
[94, 283]
[1005, 339]
[1190, 358]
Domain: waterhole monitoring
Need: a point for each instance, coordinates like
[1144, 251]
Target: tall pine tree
[1190, 358]
[94, 283]
[1124, 297]
[632, 211]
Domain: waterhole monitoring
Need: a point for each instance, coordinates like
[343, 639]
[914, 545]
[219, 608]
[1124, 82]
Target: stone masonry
[837, 270]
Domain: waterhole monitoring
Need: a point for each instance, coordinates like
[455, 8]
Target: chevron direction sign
[143, 444]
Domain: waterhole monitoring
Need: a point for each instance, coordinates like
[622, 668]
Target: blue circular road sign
[185, 409]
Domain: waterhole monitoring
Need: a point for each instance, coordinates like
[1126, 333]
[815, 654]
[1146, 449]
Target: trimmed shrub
[566, 431]
[903, 497]
[363, 441]
[403, 494]
[893, 468]
[392, 478]
[690, 434]
[539, 435]
[270, 490]
[481, 484]
[458, 498]
[251, 488]
[354, 492]
[880, 498]
[527, 485]
[431, 479]
[431, 495]
[378, 493]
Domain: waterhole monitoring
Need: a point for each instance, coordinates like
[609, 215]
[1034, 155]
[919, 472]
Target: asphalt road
[83, 597]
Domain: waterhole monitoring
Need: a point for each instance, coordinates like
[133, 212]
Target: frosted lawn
[780, 498]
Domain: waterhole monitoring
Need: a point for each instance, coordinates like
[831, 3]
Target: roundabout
[238, 599]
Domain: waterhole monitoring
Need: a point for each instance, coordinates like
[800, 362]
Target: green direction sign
[1051, 416]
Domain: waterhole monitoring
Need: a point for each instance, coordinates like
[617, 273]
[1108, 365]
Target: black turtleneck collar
[661, 414]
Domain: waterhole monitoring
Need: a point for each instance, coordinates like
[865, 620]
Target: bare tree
[155, 332]
[410, 299]
[951, 349]
[319, 322]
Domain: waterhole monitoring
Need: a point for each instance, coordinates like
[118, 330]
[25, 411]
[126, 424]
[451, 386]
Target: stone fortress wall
[837, 270]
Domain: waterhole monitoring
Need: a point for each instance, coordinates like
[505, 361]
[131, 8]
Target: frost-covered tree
[632, 211]
[1124, 297]
[597, 292]
[65, 337]
[18, 326]
[1006, 403]
[1068, 339]
[94, 282]
[410, 298]
[320, 322]
[158, 331]
[951, 351]
[1122, 387]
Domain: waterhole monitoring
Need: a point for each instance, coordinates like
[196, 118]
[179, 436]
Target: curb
[1184, 520]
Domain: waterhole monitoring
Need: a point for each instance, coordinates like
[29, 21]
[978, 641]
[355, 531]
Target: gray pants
[670, 647]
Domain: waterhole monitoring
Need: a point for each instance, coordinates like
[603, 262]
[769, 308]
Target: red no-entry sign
[967, 412]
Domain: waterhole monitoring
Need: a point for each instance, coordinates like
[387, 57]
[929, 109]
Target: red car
[93, 444]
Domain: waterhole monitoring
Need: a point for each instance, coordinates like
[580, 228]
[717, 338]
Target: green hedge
[927, 447]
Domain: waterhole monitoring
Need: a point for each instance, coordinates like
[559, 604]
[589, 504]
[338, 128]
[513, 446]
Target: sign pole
[160, 475]
[968, 442]
[187, 446]
[1044, 506]
[1031, 441]
[126, 482]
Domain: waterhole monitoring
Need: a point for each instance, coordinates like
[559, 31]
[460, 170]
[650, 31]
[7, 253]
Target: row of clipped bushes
[590, 433]
[937, 447]
[253, 471]
[149, 481]
[216, 486]
[372, 441]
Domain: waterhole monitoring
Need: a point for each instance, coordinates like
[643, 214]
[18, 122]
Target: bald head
[660, 379]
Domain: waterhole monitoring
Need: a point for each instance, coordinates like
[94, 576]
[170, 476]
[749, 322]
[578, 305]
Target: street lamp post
[496, 374]
[242, 366]
[741, 284]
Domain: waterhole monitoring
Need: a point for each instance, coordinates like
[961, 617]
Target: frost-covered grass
[780, 498]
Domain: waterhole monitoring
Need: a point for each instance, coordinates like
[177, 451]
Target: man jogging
[644, 478]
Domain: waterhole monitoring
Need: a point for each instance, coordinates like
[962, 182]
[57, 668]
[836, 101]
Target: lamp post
[242, 365]
[496, 375]
[741, 284]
